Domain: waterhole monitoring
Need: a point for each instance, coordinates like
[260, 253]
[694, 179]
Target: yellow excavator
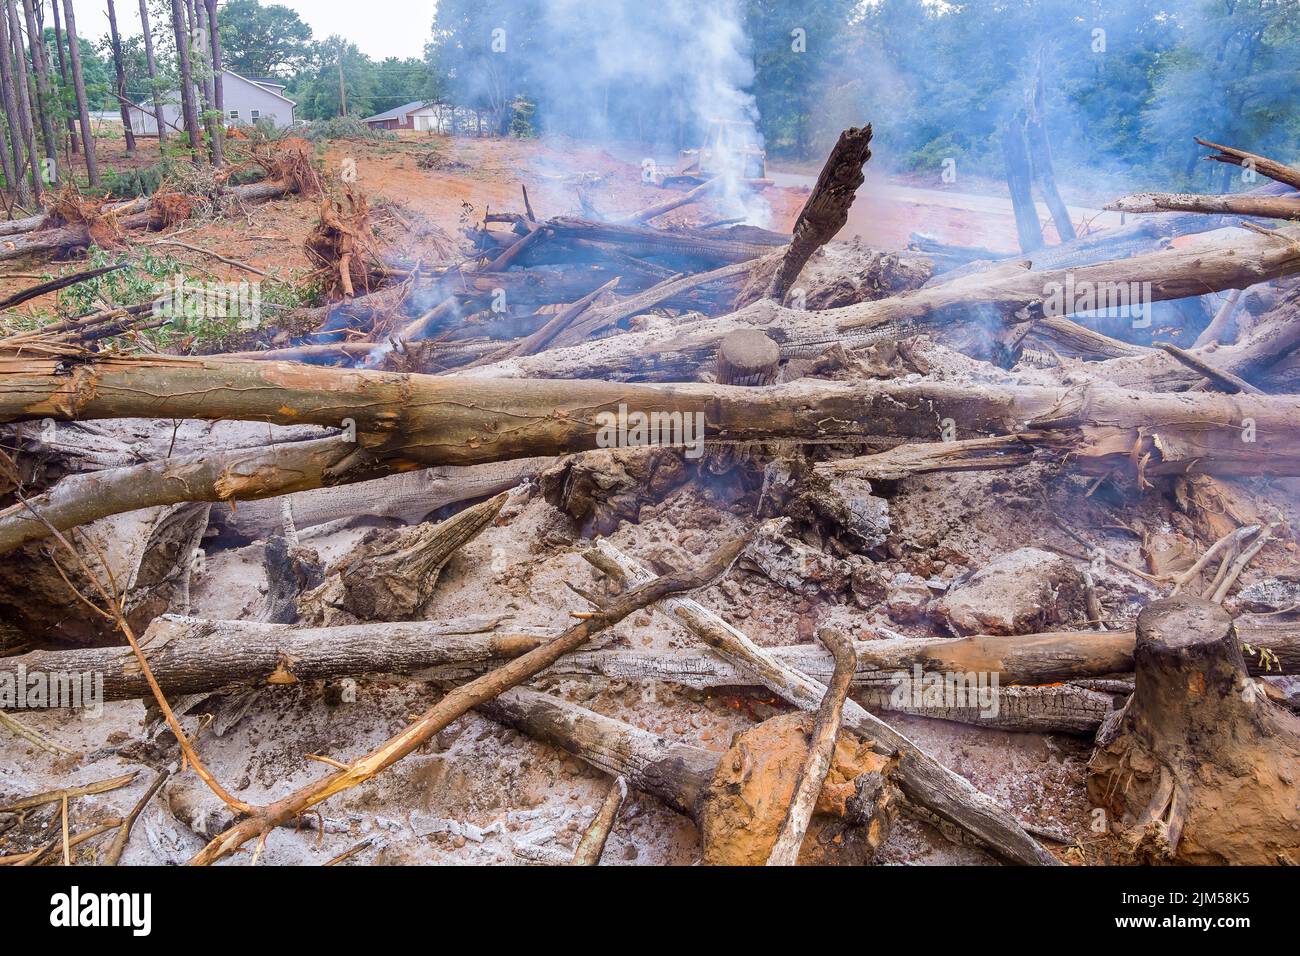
[730, 147]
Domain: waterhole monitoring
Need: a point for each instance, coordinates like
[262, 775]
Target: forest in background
[1127, 82]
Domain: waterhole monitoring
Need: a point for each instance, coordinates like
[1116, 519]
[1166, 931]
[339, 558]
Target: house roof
[267, 87]
[397, 112]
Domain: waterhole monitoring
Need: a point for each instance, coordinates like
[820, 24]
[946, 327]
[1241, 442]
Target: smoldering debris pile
[700, 543]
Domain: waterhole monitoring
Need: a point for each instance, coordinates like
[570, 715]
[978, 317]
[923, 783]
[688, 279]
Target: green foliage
[344, 127]
[129, 183]
[263, 40]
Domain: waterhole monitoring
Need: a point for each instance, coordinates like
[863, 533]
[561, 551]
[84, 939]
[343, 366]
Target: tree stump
[747, 357]
[1199, 767]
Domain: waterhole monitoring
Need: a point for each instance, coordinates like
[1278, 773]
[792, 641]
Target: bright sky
[379, 27]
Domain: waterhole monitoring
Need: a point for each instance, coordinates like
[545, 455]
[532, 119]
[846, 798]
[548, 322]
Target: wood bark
[442, 420]
[120, 70]
[592, 844]
[213, 123]
[79, 86]
[826, 731]
[1199, 768]
[827, 208]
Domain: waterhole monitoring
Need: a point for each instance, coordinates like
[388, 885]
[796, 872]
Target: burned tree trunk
[748, 357]
[1040, 153]
[827, 208]
[1016, 157]
[1199, 767]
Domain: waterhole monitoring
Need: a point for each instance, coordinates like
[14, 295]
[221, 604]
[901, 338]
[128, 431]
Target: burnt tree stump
[747, 357]
[827, 208]
[1199, 767]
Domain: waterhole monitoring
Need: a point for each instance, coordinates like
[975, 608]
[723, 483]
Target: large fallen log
[408, 496]
[447, 420]
[193, 656]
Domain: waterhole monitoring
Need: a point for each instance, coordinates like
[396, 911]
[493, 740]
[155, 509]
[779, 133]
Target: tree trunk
[79, 85]
[1199, 767]
[120, 70]
[218, 86]
[15, 164]
[155, 93]
[19, 116]
[74, 144]
[45, 101]
[1016, 158]
[438, 420]
[1040, 152]
[214, 124]
[186, 80]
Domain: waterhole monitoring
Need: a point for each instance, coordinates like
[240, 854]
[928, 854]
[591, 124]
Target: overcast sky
[379, 27]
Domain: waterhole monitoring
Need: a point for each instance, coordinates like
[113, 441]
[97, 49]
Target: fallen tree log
[448, 420]
[1260, 164]
[408, 497]
[218, 476]
[193, 655]
[1199, 767]
[78, 235]
[1237, 204]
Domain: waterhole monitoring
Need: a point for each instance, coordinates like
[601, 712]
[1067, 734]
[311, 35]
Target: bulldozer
[730, 148]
